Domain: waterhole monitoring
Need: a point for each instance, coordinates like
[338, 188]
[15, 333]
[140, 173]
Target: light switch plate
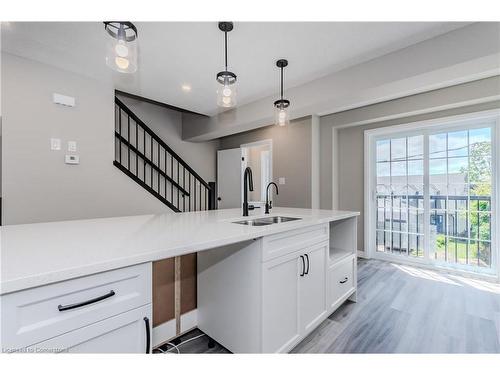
[72, 146]
[72, 159]
[55, 144]
[281, 180]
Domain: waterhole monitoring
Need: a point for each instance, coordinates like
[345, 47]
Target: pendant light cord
[225, 48]
[281, 83]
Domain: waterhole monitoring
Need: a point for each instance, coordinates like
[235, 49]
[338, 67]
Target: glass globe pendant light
[281, 105]
[226, 80]
[121, 46]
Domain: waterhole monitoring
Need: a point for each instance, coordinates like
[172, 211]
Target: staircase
[150, 162]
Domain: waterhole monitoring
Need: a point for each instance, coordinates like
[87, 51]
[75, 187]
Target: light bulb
[281, 118]
[226, 91]
[121, 49]
[226, 100]
[121, 63]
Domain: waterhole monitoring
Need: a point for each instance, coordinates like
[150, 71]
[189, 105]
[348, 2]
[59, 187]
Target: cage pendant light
[226, 80]
[281, 105]
[121, 46]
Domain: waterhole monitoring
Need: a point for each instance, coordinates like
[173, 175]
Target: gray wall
[36, 184]
[291, 158]
[349, 150]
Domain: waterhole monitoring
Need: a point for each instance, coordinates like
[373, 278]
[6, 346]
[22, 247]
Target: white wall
[37, 185]
[167, 124]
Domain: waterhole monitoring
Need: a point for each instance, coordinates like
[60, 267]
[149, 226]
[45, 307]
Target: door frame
[426, 127]
[264, 142]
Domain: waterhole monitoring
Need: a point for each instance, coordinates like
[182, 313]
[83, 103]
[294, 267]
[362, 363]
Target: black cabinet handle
[85, 303]
[148, 334]
[344, 281]
[303, 265]
[307, 257]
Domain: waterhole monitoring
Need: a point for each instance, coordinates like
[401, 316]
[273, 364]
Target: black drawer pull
[307, 272]
[90, 301]
[148, 334]
[344, 281]
[303, 265]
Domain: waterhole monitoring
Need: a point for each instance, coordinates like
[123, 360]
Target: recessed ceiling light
[186, 88]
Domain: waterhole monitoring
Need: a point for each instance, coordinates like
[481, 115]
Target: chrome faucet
[247, 185]
[269, 204]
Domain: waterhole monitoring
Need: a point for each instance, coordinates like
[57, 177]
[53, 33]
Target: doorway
[431, 192]
[258, 156]
[231, 164]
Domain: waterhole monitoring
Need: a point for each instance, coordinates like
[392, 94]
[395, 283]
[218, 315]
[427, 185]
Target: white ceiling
[172, 53]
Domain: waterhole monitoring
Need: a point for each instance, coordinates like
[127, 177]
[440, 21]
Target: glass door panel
[399, 195]
[460, 197]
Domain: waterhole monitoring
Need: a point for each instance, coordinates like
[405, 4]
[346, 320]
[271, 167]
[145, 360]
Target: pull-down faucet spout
[247, 185]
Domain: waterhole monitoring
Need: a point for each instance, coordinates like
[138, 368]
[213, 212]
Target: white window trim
[447, 123]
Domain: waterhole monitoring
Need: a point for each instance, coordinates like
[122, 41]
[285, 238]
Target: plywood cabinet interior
[163, 291]
[174, 295]
[188, 283]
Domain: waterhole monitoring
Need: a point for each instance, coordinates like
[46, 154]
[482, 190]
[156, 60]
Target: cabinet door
[312, 305]
[128, 332]
[280, 323]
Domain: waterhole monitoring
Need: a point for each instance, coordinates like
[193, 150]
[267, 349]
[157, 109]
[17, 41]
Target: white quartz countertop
[37, 254]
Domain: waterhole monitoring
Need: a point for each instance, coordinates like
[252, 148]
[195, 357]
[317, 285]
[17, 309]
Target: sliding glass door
[433, 195]
[460, 178]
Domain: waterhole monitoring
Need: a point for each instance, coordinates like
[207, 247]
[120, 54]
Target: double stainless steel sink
[266, 220]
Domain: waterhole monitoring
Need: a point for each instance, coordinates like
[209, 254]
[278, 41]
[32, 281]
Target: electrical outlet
[55, 144]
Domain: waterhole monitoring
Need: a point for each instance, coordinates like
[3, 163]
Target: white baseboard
[189, 320]
[166, 331]
[362, 254]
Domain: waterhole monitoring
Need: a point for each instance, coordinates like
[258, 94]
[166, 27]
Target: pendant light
[121, 46]
[226, 80]
[281, 106]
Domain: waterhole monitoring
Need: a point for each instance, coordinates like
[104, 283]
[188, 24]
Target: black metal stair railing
[143, 156]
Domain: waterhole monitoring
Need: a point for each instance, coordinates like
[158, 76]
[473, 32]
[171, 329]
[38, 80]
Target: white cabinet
[266, 295]
[281, 327]
[129, 332]
[294, 297]
[97, 313]
[312, 305]
[342, 281]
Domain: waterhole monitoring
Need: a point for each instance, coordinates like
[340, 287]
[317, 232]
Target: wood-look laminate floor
[403, 309]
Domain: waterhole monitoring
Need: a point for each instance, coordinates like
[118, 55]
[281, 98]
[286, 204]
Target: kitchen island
[85, 285]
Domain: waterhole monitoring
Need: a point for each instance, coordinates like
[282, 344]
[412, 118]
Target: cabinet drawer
[37, 314]
[284, 243]
[341, 280]
[128, 332]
